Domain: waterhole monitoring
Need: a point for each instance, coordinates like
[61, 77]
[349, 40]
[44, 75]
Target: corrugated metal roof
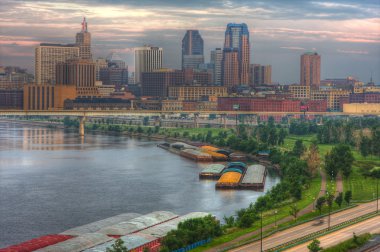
[37, 243]
[162, 229]
[131, 241]
[213, 168]
[97, 225]
[254, 174]
[78, 244]
[138, 223]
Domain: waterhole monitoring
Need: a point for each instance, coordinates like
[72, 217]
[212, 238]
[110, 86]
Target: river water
[52, 180]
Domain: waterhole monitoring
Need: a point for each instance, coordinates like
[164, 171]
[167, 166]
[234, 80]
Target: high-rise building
[230, 63]
[237, 38]
[260, 75]
[192, 49]
[46, 58]
[83, 41]
[147, 59]
[99, 64]
[310, 69]
[216, 59]
[81, 74]
[156, 83]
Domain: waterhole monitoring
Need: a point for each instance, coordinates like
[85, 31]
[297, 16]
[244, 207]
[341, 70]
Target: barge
[254, 177]
[212, 171]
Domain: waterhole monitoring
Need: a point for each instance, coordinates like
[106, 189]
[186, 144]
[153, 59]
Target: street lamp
[261, 232]
[275, 218]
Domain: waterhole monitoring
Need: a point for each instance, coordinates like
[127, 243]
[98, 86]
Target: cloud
[293, 48]
[118, 25]
[352, 51]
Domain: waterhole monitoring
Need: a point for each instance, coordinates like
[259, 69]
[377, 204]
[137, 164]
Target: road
[307, 209]
[308, 228]
[369, 226]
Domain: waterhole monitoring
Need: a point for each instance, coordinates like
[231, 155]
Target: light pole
[261, 232]
[275, 218]
[377, 196]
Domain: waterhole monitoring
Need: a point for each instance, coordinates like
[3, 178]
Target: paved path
[308, 228]
[339, 184]
[368, 226]
[307, 209]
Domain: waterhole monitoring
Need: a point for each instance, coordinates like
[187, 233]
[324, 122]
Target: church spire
[84, 25]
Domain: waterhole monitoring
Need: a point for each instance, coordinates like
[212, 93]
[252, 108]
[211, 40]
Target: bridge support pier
[82, 120]
[196, 124]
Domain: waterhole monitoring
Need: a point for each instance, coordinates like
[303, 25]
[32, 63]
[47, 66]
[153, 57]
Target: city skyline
[346, 34]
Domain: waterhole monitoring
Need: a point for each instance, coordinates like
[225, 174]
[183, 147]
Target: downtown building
[147, 59]
[236, 56]
[310, 70]
[216, 60]
[192, 50]
[83, 42]
[260, 75]
[47, 56]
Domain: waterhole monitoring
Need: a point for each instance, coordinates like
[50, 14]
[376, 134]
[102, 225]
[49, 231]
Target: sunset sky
[345, 32]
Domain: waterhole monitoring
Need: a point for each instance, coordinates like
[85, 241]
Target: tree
[365, 146]
[281, 136]
[312, 158]
[330, 200]
[314, 246]
[340, 158]
[319, 204]
[230, 221]
[339, 199]
[294, 210]
[118, 246]
[348, 197]
[298, 148]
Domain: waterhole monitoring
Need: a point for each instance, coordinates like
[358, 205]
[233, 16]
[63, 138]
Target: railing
[193, 246]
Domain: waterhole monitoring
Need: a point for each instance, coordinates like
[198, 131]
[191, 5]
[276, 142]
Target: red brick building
[258, 104]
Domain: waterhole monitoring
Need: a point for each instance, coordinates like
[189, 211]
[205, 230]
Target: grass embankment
[270, 217]
[349, 244]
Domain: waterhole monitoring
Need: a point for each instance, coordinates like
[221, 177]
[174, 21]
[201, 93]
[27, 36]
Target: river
[52, 180]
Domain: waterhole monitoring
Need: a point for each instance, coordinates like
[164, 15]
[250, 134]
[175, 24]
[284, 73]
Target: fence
[193, 246]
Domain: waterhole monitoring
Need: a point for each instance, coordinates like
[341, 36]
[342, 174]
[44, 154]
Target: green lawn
[362, 188]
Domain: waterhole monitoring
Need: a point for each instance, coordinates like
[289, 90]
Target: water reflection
[52, 180]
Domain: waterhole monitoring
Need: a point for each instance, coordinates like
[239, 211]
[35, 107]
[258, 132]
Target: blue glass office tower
[192, 49]
[236, 41]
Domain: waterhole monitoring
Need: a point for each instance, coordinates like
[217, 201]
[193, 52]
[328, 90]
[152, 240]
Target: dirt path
[307, 209]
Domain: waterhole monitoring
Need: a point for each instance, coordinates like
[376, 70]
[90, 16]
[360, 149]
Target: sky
[346, 33]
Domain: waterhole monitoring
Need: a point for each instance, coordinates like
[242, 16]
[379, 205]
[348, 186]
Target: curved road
[368, 226]
[309, 227]
[306, 210]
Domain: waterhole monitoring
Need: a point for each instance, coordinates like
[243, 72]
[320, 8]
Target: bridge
[83, 114]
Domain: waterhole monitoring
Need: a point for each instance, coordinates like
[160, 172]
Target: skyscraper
[230, 67]
[237, 38]
[46, 58]
[83, 41]
[147, 59]
[260, 75]
[216, 60]
[310, 69]
[192, 49]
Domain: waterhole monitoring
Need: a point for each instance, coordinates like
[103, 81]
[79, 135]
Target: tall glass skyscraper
[236, 40]
[192, 49]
